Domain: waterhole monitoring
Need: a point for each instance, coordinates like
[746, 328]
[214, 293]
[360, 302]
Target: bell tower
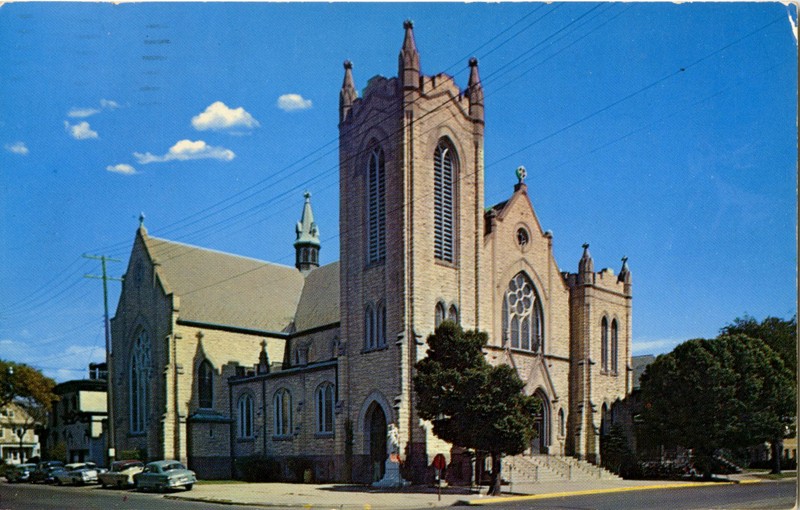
[307, 244]
[411, 217]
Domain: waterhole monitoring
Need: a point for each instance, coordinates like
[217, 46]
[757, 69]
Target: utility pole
[110, 442]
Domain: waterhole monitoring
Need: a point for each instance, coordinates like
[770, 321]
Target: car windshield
[173, 466]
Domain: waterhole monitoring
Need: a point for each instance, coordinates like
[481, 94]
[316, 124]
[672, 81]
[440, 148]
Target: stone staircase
[551, 468]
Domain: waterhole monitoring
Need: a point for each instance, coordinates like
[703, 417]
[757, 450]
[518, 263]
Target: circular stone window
[522, 237]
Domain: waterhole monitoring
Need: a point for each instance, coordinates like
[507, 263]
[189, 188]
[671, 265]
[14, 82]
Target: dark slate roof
[319, 303]
[224, 289]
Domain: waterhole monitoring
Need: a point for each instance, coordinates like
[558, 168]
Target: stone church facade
[217, 357]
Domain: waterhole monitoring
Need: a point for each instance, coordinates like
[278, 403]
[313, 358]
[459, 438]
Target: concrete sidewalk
[339, 496]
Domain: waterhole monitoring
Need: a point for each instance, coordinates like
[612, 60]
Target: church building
[217, 357]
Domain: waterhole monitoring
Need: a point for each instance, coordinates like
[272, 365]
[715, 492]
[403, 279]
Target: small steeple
[348, 94]
[625, 275]
[586, 267]
[307, 243]
[408, 71]
[475, 91]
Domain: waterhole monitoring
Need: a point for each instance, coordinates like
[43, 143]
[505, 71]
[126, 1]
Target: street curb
[551, 495]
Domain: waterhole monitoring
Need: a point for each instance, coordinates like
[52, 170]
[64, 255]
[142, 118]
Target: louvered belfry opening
[444, 202]
[376, 189]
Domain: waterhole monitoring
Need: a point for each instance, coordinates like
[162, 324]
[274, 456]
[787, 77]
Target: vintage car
[44, 471]
[20, 473]
[164, 474]
[78, 473]
[121, 473]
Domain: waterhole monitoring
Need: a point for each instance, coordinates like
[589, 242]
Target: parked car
[44, 471]
[165, 474]
[78, 473]
[121, 473]
[20, 473]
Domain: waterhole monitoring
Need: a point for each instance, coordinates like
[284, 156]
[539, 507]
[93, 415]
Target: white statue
[393, 439]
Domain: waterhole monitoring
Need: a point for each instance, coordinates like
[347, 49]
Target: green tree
[733, 391]
[779, 334]
[25, 384]
[471, 403]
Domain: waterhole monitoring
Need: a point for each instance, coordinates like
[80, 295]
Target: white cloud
[121, 168]
[109, 104]
[185, 150]
[82, 113]
[80, 131]
[17, 148]
[293, 102]
[218, 116]
[655, 346]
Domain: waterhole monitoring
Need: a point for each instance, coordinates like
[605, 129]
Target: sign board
[439, 462]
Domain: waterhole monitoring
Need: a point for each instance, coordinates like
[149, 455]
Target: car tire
[189, 486]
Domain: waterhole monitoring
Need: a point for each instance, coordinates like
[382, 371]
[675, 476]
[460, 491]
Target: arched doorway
[376, 440]
[541, 425]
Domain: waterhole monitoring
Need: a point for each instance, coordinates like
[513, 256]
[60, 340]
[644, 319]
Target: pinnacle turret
[307, 244]
[408, 67]
[348, 94]
[475, 91]
[586, 267]
[625, 275]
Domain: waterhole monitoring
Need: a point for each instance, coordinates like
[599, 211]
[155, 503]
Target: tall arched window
[523, 320]
[282, 406]
[324, 403]
[614, 346]
[439, 315]
[452, 314]
[604, 344]
[205, 385]
[139, 382]
[245, 416]
[444, 179]
[369, 328]
[380, 330]
[562, 423]
[376, 206]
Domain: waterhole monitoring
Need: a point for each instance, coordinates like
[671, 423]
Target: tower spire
[475, 91]
[307, 244]
[348, 93]
[408, 71]
[586, 267]
[625, 276]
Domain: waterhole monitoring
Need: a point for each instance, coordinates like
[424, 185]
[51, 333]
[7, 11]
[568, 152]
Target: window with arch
[380, 330]
[614, 346]
[282, 417]
[523, 320]
[205, 385]
[324, 404]
[439, 314]
[562, 423]
[376, 206]
[452, 314]
[369, 328]
[604, 344]
[244, 423]
[139, 382]
[444, 200]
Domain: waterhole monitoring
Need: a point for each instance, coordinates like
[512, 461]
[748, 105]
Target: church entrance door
[377, 441]
[541, 426]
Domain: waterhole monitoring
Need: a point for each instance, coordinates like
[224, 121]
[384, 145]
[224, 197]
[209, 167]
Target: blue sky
[662, 132]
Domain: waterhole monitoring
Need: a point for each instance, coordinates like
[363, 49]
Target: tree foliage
[733, 391]
[471, 403]
[779, 334]
[25, 386]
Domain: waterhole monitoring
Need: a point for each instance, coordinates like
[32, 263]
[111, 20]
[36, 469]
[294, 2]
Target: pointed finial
[348, 64]
[263, 344]
[348, 93]
[585, 247]
[141, 219]
[408, 68]
[586, 266]
[307, 196]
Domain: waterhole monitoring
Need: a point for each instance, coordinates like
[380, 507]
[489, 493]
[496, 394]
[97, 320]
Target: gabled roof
[319, 303]
[223, 289]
